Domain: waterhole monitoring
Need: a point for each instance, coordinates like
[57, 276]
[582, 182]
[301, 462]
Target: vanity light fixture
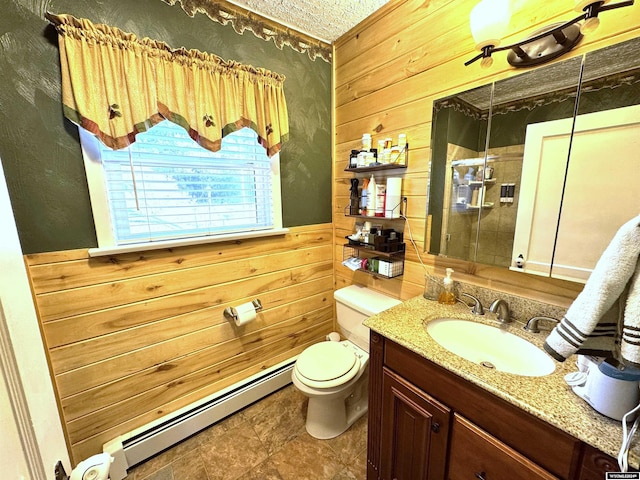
[489, 20]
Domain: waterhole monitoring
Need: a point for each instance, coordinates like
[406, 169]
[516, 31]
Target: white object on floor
[93, 468]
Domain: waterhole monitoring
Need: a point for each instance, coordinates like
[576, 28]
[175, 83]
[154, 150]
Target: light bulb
[489, 20]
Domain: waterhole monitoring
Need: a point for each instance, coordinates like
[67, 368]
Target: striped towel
[604, 319]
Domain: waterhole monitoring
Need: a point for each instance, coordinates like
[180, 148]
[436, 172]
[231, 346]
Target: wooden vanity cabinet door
[596, 464]
[477, 455]
[415, 431]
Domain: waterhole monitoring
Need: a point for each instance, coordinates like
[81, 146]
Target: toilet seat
[326, 365]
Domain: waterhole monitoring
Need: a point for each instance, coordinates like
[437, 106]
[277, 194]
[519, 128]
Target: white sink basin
[491, 347]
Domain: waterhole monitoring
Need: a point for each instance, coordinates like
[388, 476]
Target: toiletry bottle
[469, 176]
[394, 155]
[381, 194]
[353, 197]
[381, 157]
[371, 197]
[363, 198]
[366, 142]
[353, 159]
[447, 296]
[402, 145]
[464, 194]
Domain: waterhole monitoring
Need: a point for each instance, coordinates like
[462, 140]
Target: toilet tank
[354, 304]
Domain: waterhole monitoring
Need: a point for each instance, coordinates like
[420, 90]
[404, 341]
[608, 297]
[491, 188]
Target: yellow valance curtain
[116, 85]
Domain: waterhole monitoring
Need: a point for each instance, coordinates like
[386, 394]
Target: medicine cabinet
[555, 143]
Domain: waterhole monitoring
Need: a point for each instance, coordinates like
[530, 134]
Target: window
[165, 187]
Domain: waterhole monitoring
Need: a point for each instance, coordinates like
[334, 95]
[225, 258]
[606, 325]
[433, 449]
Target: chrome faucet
[477, 307]
[532, 323]
[501, 309]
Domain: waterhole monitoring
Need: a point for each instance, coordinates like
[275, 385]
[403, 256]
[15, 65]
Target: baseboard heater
[142, 443]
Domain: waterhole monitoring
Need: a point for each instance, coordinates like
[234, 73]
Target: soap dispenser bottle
[447, 296]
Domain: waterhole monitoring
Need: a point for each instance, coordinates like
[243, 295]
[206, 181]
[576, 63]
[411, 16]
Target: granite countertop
[548, 398]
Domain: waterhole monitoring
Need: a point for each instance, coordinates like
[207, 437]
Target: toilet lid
[325, 361]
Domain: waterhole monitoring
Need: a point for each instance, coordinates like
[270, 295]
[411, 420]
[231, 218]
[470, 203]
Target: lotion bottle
[371, 197]
[447, 296]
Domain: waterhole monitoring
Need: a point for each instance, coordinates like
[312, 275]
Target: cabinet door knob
[435, 428]
[480, 476]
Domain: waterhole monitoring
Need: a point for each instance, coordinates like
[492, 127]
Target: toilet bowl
[334, 374]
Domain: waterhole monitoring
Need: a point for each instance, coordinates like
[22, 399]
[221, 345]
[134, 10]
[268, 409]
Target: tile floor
[264, 441]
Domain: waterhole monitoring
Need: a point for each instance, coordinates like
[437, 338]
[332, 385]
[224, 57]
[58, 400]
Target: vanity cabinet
[439, 426]
[415, 430]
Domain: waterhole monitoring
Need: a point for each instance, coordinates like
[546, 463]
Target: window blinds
[165, 186]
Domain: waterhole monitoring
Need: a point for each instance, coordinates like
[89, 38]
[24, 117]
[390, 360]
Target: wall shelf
[403, 209]
[479, 183]
[485, 205]
[400, 161]
[379, 264]
[376, 168]
[373, 219]
[388, 250]
[384, 257]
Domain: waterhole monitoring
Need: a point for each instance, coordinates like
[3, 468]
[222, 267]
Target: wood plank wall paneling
[133, 337]
[388, 70]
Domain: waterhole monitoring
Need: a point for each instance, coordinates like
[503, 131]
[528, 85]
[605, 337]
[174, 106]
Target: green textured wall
[40, 149]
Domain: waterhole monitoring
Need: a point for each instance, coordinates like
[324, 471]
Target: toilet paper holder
[231, 313]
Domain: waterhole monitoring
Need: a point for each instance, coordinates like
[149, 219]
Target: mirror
[600, 192]
[504, 188]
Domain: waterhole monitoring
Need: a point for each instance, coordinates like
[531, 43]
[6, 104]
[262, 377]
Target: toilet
[334, 374]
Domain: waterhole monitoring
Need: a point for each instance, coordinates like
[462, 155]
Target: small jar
[369, 159]
[366, 142]
[394, 155]
[362, 159]
[488, 173]
[353, 159]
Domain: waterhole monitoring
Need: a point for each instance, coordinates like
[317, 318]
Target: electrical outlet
[59, 472]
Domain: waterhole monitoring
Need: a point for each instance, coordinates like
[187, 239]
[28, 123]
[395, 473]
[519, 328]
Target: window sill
[141, 247]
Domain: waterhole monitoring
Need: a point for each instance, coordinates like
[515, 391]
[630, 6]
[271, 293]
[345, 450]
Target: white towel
[630, 344]
[604, 319]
